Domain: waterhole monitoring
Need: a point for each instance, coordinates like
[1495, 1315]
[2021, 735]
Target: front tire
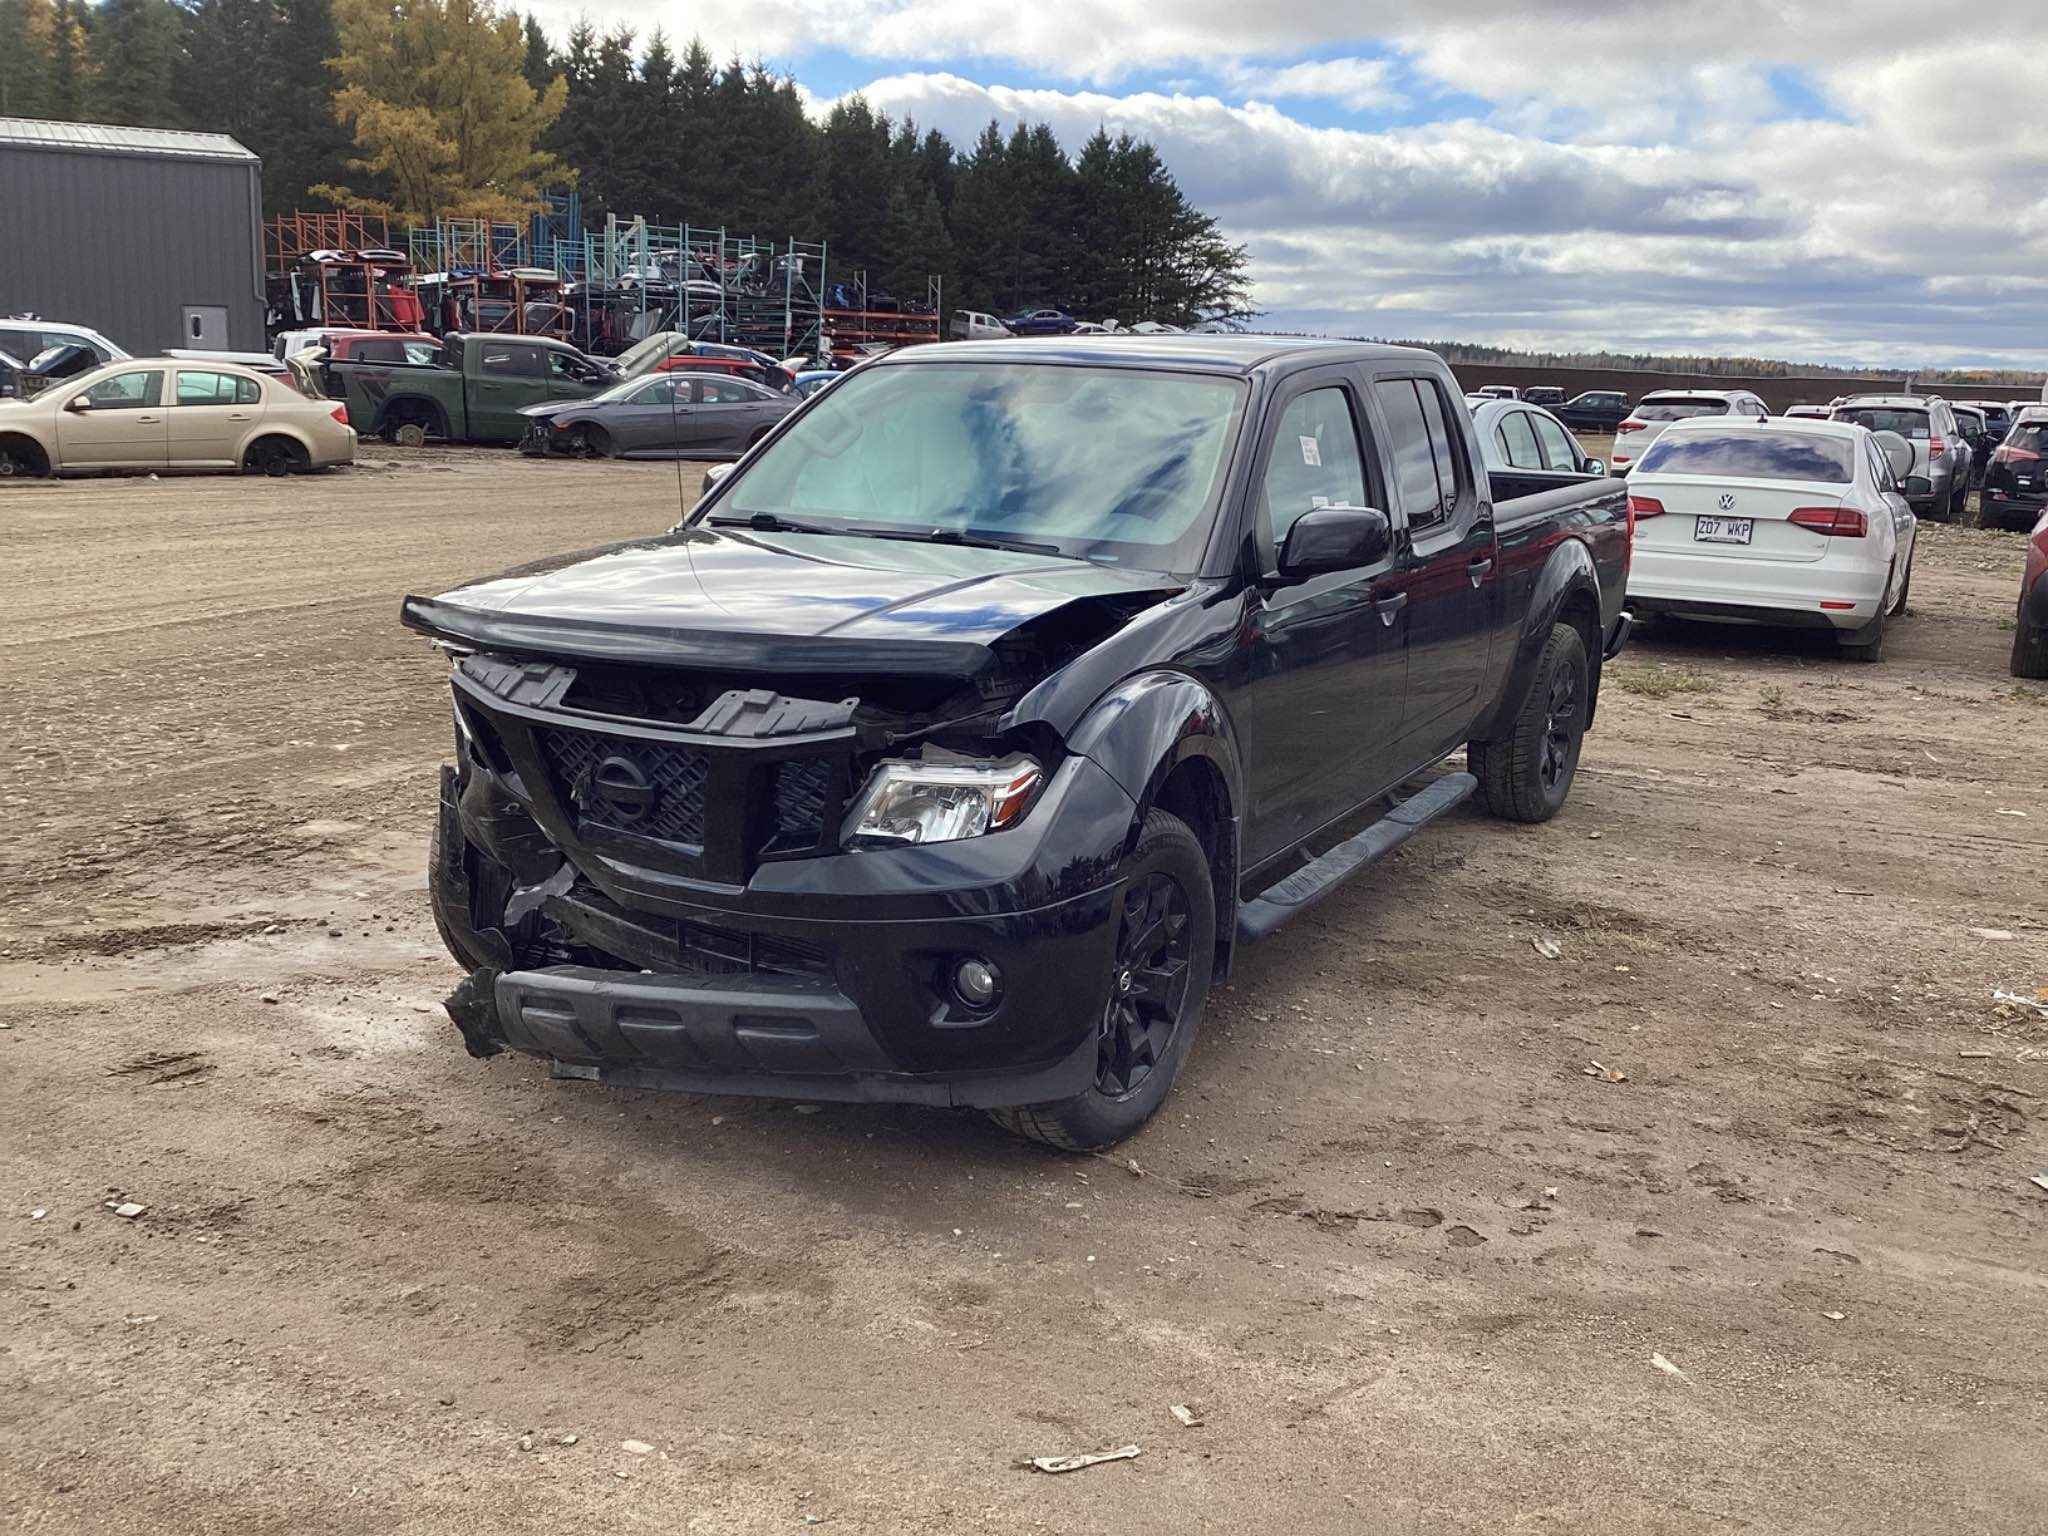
[1158, 982]
[1527, 774]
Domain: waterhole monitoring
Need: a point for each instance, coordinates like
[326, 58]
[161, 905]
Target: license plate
[1722, 530]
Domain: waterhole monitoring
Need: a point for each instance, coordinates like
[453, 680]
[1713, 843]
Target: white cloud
[1363, 85]
[1625, 174]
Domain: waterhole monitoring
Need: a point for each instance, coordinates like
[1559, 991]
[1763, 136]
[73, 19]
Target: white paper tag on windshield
[1311, 453]
[1319, 501]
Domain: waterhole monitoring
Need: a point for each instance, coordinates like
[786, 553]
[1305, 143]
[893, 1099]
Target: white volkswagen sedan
[1793, 522]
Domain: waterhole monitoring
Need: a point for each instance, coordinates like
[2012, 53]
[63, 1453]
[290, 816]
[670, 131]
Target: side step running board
[1307, 886]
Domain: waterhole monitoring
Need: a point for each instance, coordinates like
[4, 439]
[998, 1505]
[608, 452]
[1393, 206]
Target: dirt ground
[1415, 1261]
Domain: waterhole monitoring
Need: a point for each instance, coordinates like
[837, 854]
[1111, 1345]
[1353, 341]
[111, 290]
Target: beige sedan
[168, 413]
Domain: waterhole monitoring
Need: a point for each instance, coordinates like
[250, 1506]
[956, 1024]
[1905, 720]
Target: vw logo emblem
[1727, 501]
[619, 787]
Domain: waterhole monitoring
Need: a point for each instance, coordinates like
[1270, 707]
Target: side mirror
[78, 403]
[1596, 467]
[1335, 538]
[712, 476]
[1897, 452]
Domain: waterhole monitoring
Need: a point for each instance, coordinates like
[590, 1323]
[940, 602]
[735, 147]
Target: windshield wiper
[768, 522]
[973, 541]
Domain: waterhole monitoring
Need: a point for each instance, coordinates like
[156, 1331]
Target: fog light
[978, 982]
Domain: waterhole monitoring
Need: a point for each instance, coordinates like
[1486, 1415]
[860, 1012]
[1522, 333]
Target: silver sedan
[668, 416]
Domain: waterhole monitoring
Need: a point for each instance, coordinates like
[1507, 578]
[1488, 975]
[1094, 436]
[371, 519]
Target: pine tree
[137, 46]
[304, 144]
[539, 66]
[65, 99]
[27, 30]
[984, 216]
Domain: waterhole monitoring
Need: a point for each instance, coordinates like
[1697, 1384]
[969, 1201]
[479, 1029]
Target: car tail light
[1640, 507]
[1831, 522]
[1937, 446]
[2009, 453]
[341, 414]
[1630, 425]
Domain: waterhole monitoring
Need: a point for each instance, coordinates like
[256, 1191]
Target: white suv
[1661, 407]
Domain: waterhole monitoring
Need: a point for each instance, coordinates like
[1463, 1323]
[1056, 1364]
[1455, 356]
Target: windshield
[1105, 463]
[1752, 455]
[1908, 423]
[1679, 410]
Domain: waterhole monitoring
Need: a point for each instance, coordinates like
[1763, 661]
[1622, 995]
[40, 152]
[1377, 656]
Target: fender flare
[1568, 576]
[1144, 728]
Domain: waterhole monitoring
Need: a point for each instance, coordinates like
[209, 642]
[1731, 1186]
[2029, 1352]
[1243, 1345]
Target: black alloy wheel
[1149, 987]
[1562, 728]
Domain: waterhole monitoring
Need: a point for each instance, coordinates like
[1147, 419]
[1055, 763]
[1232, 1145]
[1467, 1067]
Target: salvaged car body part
[938, 760]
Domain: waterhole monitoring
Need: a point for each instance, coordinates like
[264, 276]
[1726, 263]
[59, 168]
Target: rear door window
[207, 388]
[1420, 448]
[1557, 448]
[509, 361]
[1316, 459]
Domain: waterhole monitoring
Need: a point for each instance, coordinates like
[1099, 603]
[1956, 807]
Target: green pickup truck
[472, 394]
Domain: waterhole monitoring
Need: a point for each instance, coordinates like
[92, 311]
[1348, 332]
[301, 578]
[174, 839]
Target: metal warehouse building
[149, 236]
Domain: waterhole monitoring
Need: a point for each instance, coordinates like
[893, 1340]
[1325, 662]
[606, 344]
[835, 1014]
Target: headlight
[912, 802]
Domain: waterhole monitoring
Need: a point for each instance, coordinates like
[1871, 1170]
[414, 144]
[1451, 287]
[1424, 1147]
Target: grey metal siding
[122, 242]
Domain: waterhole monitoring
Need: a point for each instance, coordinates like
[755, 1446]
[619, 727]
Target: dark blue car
[1042, 322]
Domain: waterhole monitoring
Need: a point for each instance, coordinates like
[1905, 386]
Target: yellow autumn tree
[442, 114]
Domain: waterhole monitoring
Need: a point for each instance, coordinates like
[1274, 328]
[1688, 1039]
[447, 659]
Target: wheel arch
[1168, 742]
[275, 432]
[15, 439]
[1567, 590]
[396, 410]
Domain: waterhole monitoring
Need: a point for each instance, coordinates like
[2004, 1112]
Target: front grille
[674, 777]
[802, 787]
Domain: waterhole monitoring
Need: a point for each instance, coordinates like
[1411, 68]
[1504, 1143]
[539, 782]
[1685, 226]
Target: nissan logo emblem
[619, 787]
[1727, 501]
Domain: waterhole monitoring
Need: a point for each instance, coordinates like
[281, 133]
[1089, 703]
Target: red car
[2030, 631]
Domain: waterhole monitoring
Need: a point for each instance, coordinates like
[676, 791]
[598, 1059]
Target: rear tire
[1905, 588]
[274, 456]
[1870, 647]
[2030, 652]
[1158, 982]
[1527, 774]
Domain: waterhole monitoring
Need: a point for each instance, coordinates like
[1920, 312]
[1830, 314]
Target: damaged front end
[769, 871]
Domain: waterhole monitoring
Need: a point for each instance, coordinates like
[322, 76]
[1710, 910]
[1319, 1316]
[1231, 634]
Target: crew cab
[953, 744]
[473, 394]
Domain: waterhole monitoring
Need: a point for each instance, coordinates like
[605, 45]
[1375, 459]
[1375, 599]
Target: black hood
[705, 597]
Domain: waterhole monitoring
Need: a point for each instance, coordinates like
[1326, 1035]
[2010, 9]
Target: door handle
[1390, 606]
[1478, 568]
[147, 421]
[238, 416]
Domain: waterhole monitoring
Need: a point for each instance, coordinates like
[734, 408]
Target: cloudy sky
[1859, 181]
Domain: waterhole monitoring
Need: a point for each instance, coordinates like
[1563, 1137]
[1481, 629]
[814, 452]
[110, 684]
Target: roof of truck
[1214, 351]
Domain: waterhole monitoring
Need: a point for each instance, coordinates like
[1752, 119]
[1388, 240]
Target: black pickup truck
[950, 747]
